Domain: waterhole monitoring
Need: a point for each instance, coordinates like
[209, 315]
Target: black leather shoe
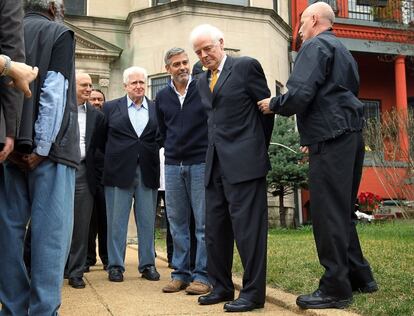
[320, 300]
[77, 283]
[214, 298]
[150, 273]
[370, 287]
[241, 305]
[115, 275]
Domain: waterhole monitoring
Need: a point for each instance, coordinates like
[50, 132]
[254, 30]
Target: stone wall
[273, 209]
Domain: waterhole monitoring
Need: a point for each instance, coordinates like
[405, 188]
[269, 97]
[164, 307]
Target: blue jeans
[184, 191]
[46, 195]
[118, 207]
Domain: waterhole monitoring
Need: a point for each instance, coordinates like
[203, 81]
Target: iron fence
[387, 11]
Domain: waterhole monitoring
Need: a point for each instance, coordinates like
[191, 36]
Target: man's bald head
[323, 10]
[316, 18]
[83, 87]
[81, 75]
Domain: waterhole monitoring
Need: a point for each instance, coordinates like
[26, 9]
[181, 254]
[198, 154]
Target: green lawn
[389, 247]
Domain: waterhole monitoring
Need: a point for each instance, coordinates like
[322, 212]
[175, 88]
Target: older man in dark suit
[131, 170]
[236, 166]
[90, 121]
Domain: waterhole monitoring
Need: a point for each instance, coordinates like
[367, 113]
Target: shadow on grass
[389, 247]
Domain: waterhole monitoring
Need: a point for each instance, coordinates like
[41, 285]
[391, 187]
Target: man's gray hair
[41, 5]
[173, 52]
[133, 70]
[206, 30]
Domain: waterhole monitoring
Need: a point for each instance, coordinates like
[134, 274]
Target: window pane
[75, 7]
[279, 88]
[378, 3]
[157, 2]
[239, 2]
[372, 131]
[158, 83]
[358, 11]
[275, 6]
[371, 109]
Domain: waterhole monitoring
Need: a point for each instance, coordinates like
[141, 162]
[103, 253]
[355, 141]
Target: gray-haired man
[39, 179]
[182, 122]
[131, 170]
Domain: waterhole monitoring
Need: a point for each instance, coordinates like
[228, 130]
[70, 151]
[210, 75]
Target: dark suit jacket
[94, 124]
[11, 44]
[237, 131]
[124, 149]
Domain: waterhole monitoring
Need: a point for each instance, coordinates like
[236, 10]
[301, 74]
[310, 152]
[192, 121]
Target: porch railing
[387, 11]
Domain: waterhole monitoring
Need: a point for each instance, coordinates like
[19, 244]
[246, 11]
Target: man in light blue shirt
[131, 171]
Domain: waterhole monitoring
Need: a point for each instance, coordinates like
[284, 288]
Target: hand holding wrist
[22, 75]
[7, 65]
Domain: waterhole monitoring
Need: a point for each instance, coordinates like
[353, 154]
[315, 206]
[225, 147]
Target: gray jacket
[12, 45]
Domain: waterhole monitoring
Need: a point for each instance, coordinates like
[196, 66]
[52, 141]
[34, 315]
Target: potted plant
[391, 12]
[369, 203]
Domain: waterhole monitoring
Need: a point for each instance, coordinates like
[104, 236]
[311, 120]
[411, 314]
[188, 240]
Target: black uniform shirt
[323, 89]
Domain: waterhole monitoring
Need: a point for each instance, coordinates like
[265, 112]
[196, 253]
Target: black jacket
[94, 157]
[323, 89]
[182, 128]
[124, 149]
[238, 133]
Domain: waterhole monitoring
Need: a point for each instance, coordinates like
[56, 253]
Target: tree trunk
[282, 209]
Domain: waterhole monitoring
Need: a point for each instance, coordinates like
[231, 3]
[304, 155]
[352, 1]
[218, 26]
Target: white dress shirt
[220, 67]
[82, 129]
[181, 98]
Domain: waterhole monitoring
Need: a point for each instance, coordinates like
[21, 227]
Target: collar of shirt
[144, 103]
[220, 67]
[82, 107]
[171, 83]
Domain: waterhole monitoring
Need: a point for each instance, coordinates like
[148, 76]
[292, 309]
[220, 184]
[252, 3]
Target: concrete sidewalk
[137, 296]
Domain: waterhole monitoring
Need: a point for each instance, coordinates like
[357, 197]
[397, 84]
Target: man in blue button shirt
[131, 170]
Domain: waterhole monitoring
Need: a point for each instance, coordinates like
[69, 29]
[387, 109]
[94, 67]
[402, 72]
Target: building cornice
[98, 23]
[397, 35]
[194, 7]
[89, 46]
[101, 20]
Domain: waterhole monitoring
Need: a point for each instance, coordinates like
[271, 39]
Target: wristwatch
[7, 65]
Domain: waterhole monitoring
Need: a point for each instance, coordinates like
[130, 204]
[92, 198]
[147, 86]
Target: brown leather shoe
[198, 288]
[174, 286]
